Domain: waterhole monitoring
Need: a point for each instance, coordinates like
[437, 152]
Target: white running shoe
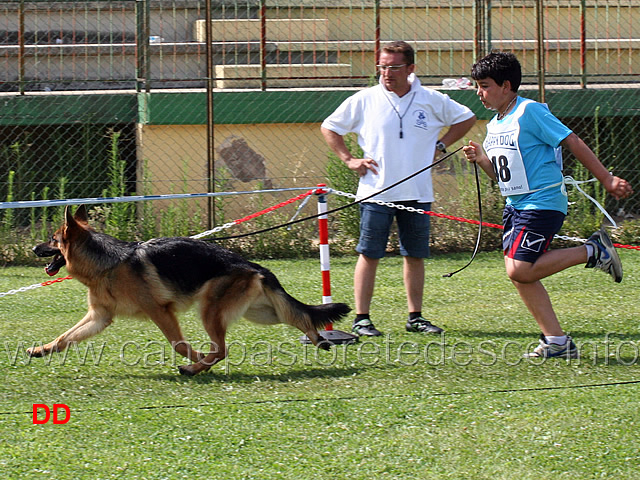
[553, 350]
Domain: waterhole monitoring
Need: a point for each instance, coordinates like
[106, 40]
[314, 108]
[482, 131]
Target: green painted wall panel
[189, 108]
[67, 109]
[243, 107]
[315, 106]
[257, 107]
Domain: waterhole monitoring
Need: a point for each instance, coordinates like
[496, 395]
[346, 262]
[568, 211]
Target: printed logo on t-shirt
[420, 117]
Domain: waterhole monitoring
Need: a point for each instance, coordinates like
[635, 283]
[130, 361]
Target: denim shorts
[528, 233]
[375, 225]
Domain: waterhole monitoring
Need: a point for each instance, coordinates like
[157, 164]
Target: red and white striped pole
[323, 230]
[331, 335]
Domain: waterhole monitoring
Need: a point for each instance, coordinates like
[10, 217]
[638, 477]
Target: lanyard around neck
[400, 117]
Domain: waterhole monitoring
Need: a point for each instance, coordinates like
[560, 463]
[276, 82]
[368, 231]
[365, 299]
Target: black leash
[337, 209]
[477, 247]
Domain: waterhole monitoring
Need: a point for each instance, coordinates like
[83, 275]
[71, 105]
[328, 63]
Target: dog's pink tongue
[51, 273]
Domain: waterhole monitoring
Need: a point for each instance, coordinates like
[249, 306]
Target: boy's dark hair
[401, 47]
[499, 66]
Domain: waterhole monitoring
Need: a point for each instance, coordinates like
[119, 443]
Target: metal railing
[144, 44]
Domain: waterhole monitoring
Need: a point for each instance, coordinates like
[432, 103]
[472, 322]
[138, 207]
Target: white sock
[590, 250]
[559, 340]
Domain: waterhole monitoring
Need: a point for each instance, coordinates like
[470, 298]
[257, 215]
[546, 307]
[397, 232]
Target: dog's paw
[36, 352]
[324, 344]
[186, 371]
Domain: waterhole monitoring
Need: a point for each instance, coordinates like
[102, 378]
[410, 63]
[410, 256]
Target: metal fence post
[583, 44]
[541, 49]
[376, 15]
[21, 79]
[263, 45]
[211, 180]
[143, 62]
[482, 33]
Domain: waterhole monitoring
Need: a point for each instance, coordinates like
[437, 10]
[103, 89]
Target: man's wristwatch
[441, 147]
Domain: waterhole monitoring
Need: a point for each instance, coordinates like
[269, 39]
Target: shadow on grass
[527, 336]
[246, 377]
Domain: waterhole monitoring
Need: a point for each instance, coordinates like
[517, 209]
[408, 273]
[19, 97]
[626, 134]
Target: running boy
[520, 153]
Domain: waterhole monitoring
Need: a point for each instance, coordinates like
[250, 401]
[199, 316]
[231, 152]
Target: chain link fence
[147, 97]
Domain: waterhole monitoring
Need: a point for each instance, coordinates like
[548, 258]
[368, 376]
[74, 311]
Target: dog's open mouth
[56, 264]
[46, 250]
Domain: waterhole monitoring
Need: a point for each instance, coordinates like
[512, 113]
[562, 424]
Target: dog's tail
[327, 313]
[294, 312]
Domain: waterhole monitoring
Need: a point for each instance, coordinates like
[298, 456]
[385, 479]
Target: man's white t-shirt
[399, 133]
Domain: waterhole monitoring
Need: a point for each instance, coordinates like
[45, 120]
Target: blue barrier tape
[132, 198]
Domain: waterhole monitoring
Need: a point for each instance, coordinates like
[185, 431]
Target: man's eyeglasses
[391, 68]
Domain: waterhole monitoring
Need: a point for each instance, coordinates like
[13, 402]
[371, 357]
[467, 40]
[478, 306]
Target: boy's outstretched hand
[618, 187]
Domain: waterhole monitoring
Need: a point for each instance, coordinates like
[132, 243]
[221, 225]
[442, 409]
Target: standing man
[521, 153]
[398, 124]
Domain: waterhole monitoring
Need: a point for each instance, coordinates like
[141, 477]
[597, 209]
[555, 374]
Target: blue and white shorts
[528, 233]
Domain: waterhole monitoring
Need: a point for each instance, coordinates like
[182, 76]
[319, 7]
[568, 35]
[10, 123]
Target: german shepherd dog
[163, 276]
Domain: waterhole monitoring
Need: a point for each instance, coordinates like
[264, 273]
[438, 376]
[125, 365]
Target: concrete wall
[288, 155]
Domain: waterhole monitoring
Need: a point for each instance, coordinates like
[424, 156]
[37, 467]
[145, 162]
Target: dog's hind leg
[222, 304]
[94, 322]
[218, 351]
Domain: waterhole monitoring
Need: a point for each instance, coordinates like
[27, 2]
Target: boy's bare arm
[616, 186]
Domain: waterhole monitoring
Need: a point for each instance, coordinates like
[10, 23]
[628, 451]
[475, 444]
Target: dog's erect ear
[81, 214]
[68, 217]
[80, 218]
[73, 219]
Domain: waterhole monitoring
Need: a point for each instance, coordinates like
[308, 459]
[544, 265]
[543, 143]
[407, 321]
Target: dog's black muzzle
[45, 250]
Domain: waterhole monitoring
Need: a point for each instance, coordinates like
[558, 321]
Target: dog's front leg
[94, 322]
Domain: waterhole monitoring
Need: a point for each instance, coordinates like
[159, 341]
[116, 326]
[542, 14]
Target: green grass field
[402, 406]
